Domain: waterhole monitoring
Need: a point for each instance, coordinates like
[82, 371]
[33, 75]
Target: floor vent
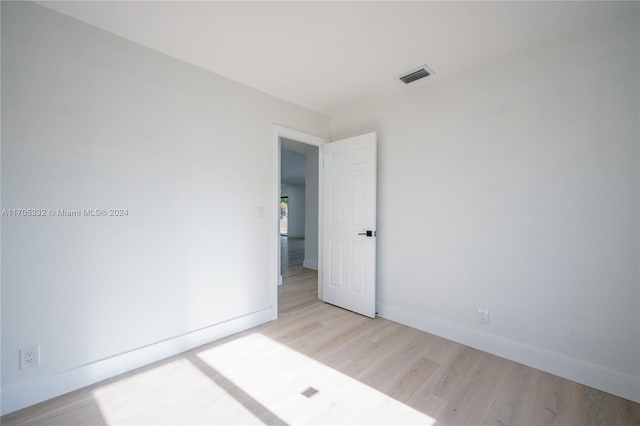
[309, 392]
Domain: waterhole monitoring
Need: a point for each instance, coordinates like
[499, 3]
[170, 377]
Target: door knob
[368, 233]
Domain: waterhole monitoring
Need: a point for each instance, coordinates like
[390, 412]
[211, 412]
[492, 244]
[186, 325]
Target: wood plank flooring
[291, 256]
[357, 371]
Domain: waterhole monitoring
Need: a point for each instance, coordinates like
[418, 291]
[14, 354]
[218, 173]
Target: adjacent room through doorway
[298, 218]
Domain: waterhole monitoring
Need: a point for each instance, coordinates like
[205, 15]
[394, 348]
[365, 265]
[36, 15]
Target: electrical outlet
[483, 315]
[29, 357]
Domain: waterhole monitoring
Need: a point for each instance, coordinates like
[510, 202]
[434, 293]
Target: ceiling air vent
[416, 74]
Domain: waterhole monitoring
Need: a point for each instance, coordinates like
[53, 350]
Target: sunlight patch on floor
[276, 376]
[183, 392]
[250, 380]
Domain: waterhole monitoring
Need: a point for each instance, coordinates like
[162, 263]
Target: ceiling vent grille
[416, 74]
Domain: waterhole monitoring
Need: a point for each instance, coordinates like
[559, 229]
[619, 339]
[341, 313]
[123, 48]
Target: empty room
[310, 212]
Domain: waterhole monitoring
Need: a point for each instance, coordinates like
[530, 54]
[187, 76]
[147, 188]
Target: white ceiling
[327, 56]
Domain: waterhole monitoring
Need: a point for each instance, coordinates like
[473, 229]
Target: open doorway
[299, 180]
[299, 192]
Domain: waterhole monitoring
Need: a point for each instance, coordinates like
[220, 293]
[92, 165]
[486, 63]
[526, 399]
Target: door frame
[305, 138]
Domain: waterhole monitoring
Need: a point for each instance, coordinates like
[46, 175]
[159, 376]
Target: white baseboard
[300, 236]
[596, 376]
[310, 264]
[34, 391]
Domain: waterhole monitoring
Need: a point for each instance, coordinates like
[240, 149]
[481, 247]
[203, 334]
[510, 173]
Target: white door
[349, 235]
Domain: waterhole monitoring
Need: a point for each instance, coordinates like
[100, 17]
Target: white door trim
[296, 135]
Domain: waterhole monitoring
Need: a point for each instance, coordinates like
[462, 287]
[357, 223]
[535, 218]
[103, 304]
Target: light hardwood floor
[354, 370]
[291, 256]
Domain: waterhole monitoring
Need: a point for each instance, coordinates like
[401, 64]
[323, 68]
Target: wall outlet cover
[29, 357]
[483, 315]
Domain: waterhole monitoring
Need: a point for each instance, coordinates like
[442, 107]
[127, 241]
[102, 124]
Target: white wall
[311, 210]
[296, 194]
[516, 187]
[91, 120]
